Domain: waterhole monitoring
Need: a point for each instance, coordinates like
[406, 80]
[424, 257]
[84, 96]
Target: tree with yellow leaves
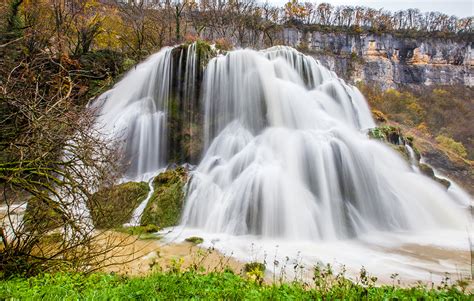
[295, 11]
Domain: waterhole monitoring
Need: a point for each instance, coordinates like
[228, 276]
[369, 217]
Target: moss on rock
[113, 206]
[147, 232]
[387, 133]
[195, 240]
[394, 137]
[165, 205]
[401, 150]
[397, 141]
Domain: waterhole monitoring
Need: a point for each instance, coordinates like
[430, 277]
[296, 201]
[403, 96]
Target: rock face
[165, 204]
[125, 197]
[389, 61]
[394, 137]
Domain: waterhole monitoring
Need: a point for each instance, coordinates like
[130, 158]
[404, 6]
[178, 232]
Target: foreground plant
[222, 285]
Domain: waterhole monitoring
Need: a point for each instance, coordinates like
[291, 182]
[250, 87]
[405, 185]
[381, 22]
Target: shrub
[452, 145]
[379, 116]
[255, 271]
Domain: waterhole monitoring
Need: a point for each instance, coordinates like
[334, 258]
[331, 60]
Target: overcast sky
[460, 8]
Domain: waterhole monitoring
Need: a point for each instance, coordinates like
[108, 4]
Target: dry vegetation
[439, 118]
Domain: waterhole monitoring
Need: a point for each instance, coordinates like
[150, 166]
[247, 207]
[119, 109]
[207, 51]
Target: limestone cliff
[389, 61]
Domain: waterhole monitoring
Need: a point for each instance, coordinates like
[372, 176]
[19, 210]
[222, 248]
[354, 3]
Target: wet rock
[428, 171]
[113, 206]
[165, 205]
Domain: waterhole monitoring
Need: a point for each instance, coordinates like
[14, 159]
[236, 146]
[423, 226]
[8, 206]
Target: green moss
[137, 230]
[164, 207]
[149, 236]
[195, 240]
[147, 232]
[443, 182]
[204, 52]
[52, 238]
[426, 170]
[401, 150]
[394, 137]
[128, 63]
[113, 206]
[387, 133]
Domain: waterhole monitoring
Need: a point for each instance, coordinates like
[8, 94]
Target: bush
[452, 145]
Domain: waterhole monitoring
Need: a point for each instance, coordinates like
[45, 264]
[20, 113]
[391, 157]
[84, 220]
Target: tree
[52, 159]
[294, 11]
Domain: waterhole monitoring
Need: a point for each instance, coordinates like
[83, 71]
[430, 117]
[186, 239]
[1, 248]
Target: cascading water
[135, 110]
[285, 157]
[412, 158]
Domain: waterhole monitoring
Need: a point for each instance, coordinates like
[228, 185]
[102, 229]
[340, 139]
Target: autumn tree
[294, 11]
[52, 158]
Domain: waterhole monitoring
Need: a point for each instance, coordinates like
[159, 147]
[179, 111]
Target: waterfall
[139, 109]
[285, 153]
[286, 157]
[285, 160]
[135, 110]
[138, 212]
[412, 158]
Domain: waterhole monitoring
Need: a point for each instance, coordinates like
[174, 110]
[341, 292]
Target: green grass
[191, 285]
[147, 232]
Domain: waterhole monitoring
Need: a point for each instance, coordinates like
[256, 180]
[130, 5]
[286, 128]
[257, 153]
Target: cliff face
[389, 61]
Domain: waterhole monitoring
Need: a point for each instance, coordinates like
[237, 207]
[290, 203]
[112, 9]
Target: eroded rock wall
[389, 61]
